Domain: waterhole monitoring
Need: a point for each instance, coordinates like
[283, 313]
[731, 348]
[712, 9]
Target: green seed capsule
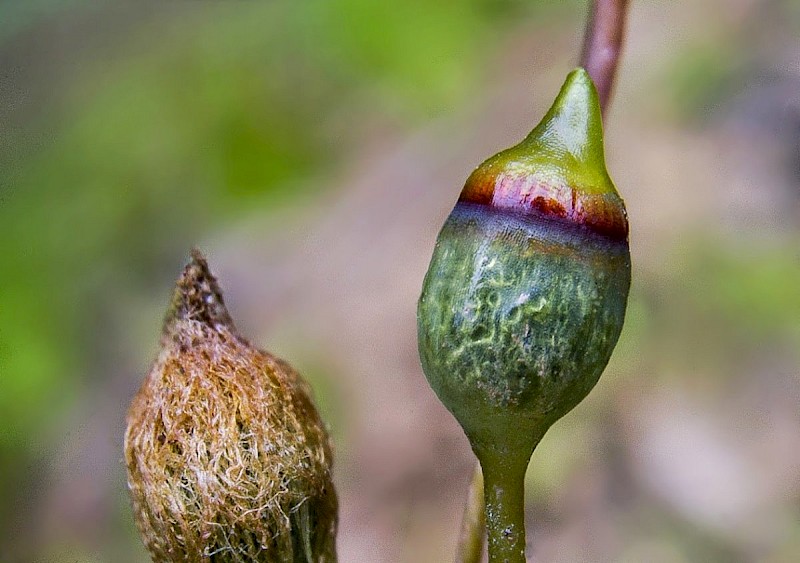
[526, 292]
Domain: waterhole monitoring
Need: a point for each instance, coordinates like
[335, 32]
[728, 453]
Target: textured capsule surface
[526, 292]
[527, 333]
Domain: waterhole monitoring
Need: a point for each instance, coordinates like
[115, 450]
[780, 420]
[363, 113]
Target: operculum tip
[573, 126]
[559, 169]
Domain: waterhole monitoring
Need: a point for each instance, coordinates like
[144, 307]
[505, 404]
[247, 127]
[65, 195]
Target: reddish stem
[602, 44]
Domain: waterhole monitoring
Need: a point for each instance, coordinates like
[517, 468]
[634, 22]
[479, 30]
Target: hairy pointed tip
[197, 297]
[199, 259]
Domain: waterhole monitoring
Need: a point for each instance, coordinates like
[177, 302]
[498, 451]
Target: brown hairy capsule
[227, 457]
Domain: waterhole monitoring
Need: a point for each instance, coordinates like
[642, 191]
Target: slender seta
[525, 297]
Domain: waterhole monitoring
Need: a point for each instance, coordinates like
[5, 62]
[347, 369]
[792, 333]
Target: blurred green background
[313, 149]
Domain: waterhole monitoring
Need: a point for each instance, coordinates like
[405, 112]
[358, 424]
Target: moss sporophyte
[525, 297]
[228, 460]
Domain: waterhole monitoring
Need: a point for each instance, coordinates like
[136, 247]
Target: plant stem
[473, 525]
[504, 494]
[602, 44]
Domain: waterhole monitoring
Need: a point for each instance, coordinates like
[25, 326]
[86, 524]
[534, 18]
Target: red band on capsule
[602, 213]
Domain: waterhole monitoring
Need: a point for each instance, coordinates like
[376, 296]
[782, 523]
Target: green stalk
[504, 495]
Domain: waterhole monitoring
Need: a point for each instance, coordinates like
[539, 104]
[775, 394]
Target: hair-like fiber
[227, 457]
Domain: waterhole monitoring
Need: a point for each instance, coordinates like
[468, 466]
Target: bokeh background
[313, 150]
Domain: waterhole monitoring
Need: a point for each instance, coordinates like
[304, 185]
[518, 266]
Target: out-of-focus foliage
[191, 121]
[186, 120]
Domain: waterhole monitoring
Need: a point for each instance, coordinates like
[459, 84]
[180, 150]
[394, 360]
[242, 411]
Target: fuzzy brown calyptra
[227, 457]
